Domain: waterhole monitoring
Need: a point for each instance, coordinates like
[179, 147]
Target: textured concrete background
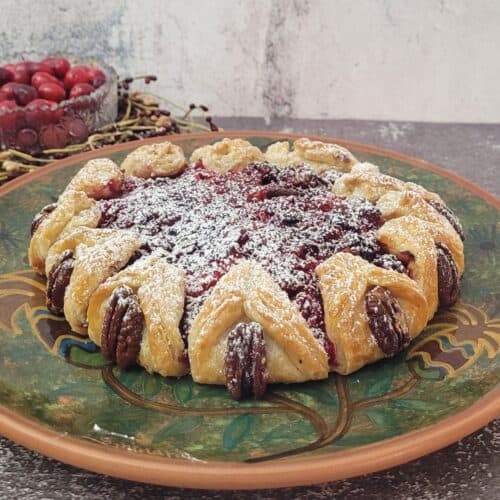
[371, 59]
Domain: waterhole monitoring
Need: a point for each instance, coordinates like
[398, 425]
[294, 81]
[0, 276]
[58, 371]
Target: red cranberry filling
[287, 219]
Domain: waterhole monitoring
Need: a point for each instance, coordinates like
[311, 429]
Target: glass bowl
[69, 122]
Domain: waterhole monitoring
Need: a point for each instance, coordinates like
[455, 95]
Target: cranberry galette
[247, 268]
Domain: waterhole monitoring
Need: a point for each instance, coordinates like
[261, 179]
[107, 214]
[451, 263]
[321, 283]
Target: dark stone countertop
[465, 470]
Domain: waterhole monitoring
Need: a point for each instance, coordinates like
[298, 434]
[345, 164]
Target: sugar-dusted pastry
[78, 263]
[155, 160]
[370, 312]
[364, 181]
[134, 316]
[434, 253]
[99, 179]
[227, 155]
[73, 209]
[248, 334]
[316, 154]
[246, 268]
[395, 204]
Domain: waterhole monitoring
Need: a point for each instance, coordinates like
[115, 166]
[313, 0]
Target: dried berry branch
[140, 115]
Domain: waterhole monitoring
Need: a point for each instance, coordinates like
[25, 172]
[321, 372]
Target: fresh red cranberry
[5, 76]
[77, 74]
[41, 77]
[96, 77]
[81, 89]
[40, 67]
[52, 92]
[24, 94]
[3, 96]
[77, 130]
[38, 113]
[8, 90]
[22, 73]
[26, 138]
[59, 65]
[54, 136]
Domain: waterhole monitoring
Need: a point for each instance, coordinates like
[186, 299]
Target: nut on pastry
[370, 312]
[436, 257]
[78, 263]
[227, 155]
[163, 159]
[134, 316]
[248, 313]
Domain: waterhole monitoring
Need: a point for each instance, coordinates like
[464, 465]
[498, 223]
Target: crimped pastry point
[156, 288]
[97, 254]
[420, 239]
[163, 159]
[73, 209]
[370, 312]
[99, 179]
[247, 294]
[227, 155]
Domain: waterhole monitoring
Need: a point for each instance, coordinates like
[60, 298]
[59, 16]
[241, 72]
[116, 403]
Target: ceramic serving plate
[60, 397]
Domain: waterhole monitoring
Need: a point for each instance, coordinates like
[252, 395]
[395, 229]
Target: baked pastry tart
[247, 268]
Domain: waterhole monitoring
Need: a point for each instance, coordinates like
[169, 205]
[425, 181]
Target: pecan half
[41, 216]
[122, 328]
[58, 280]
[448, 277]
[449, 215]
[245, 362]
[386, 320]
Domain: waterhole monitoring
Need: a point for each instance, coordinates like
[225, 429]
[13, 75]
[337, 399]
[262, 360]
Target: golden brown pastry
[367, 183]
[318, 155]
[435, 255]
[99, 179]
[395, 204]
[155, 160]
[78, 263]
[247, 317]
[73, 209]
[134, 316]
[227, 155]
[370, 312]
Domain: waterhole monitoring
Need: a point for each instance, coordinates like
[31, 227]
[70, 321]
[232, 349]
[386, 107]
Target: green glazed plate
[60, 397]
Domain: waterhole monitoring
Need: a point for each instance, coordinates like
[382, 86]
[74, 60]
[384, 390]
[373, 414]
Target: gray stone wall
[423, 60]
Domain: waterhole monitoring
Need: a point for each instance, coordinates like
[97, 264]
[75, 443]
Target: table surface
[468, 469]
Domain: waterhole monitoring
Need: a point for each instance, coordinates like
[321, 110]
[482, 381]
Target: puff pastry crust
[155, 160]
[227, 155]
[99, 179]
[419, 238]
[368, 183]
[159, 287]
[344, 280]
[248, 293]
[318, 155]
[97, 255]
[73, 209]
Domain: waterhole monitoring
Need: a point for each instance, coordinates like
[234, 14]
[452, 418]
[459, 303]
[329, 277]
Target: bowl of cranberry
[50, 103]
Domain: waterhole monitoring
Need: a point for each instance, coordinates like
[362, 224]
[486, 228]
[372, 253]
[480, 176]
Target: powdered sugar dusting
[287, 219]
